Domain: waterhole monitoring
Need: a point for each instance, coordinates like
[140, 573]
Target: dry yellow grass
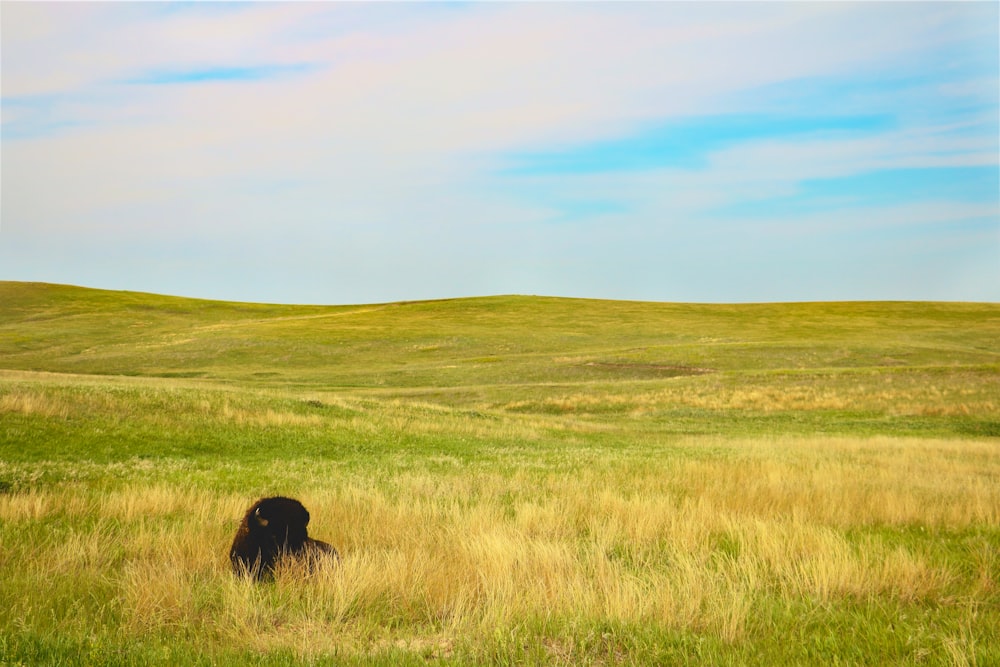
[902, 395]
[694, 544]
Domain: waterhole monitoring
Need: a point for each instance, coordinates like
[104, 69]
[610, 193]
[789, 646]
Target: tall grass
[448, 563]
[509, 481]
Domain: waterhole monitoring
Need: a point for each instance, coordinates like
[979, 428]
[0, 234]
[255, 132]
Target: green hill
[510, 480]
[926, 367]
[77, 330]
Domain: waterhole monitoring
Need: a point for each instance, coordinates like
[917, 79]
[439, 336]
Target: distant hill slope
[474, 341]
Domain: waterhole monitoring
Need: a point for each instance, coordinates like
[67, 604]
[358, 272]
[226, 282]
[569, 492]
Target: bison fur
[274, 528]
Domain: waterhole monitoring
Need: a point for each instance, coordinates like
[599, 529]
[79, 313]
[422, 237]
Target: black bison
[273, 528]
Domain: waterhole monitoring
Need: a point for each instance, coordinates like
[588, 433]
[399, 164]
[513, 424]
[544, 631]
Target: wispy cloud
[688, 143]
[218, 74]
[355, 152]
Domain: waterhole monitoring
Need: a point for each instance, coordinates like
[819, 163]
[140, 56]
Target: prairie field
[509, 480]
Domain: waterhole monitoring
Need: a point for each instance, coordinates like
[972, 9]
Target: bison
[271, 529]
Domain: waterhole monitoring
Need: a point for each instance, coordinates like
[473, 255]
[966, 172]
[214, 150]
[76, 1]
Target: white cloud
[383, 151]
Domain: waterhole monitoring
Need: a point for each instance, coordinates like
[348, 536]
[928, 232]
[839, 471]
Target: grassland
[511, 480]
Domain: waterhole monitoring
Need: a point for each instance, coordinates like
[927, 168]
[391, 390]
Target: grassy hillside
[457, 342]
[921, 368]
[510, 480]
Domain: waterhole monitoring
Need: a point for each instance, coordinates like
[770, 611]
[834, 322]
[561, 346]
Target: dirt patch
[659, 370]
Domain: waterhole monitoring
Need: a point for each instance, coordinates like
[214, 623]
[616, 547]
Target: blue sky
[369, 152]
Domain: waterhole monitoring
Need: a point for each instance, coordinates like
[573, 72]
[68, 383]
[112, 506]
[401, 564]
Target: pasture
[510, 480]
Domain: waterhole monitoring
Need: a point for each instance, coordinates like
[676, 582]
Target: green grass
[510, 479]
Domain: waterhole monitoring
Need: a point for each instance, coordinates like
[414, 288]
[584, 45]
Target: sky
[342, 153]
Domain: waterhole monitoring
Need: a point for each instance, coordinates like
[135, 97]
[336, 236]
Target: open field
[511, 480]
